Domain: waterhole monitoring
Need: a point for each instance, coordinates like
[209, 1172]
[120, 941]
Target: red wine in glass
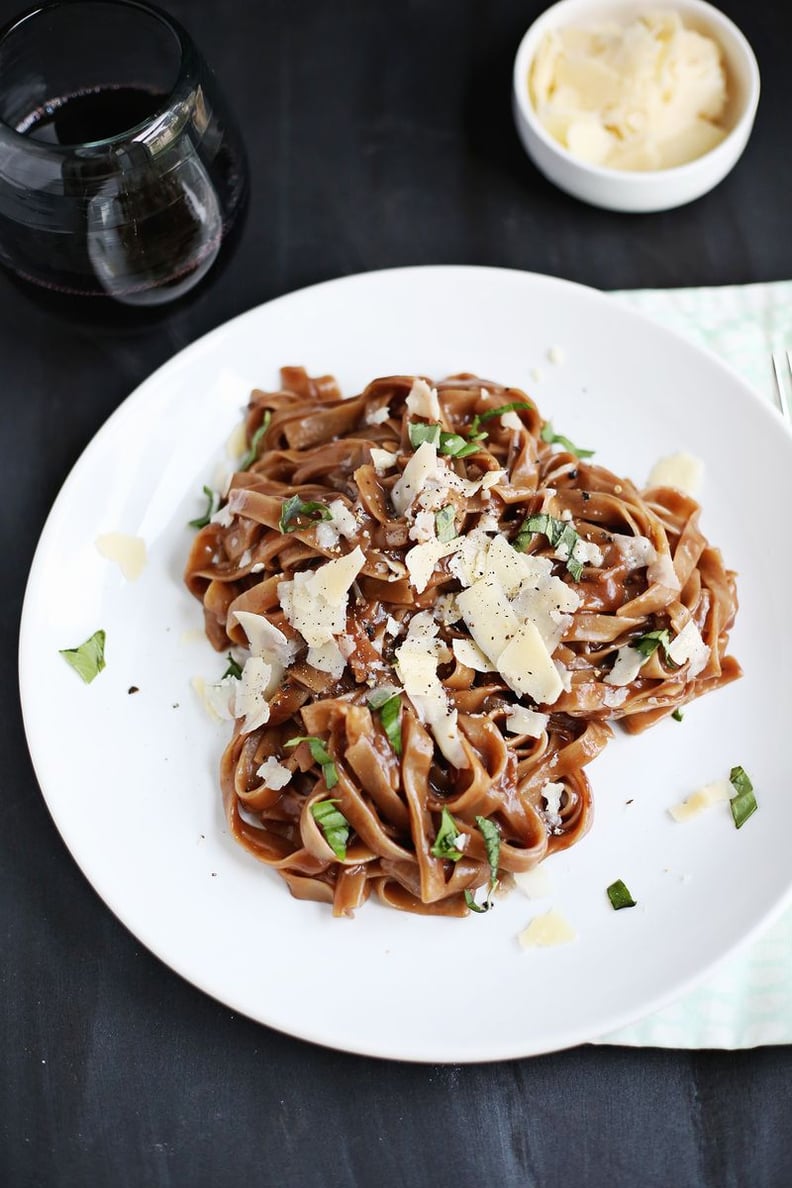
[99, 113]
[127, 189]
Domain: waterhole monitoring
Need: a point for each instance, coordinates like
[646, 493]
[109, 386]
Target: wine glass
[122, 172]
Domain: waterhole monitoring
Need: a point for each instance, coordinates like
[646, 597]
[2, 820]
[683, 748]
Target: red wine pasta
[443, 606]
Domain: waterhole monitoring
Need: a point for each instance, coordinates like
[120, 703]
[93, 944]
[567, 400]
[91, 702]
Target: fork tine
[777, 385]
[782, 373]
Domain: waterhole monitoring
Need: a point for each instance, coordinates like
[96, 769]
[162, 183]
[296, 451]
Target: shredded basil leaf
[420, 431]
[677, 715]
[619, 896]
[575, 568]
[296, 508]
[252, 454]
[453, 445]
[390, 716]
[476, 907]
[319, 755]
[546, 526]
[319, 752]
[489, 831]
[233, 669]
[559, 534]
[88, 659]
[451, 442]
[211, 508]
[333, 824]
[649, 643]
[388, 704]
[743, 803]
[547, 434]
[568, 538]
[444, 523]
[472, 447]
[523, 537]
[480, 418]
[445, 839]
[330, 773]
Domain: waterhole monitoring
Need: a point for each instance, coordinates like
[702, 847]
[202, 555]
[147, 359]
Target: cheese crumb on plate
[547, 931]
[128, 552]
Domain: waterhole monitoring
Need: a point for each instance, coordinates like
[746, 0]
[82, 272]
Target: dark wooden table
[379, 134]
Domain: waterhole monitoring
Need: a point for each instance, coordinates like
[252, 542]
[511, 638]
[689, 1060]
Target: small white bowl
[650, 190]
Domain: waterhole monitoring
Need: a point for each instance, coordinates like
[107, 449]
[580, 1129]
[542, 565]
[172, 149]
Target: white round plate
[131, 778]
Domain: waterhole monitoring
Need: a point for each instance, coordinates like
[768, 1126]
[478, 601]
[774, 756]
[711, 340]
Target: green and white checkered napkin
[749, 1000]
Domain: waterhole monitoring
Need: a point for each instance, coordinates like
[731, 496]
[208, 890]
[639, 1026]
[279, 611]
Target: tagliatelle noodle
[639, 565]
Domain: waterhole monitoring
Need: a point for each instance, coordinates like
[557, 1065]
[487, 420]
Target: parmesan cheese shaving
[315, 602]
[273, 774]
[662, 571]
[328, 658]
[689, 648]
[510, 420]
[527, 721]
[224, 515]
[552, 794]
[128, 552]
[265, 639]
[416, 665]
[626, 666]
[470, 654]
[423, 464]
[383, 460]
[527, 667]
[641, 94]
[637, 551]
[516, 613]
[547, 930]
[217, 699]
[682, 471]
[704, 798]
[422, 401]
[252, 691]
[422, 560]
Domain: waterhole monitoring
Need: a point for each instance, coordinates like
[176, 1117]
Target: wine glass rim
[186, 56]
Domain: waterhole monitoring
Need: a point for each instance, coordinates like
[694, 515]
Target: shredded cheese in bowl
[645, 94]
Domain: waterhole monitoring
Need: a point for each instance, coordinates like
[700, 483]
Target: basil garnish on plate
[87, 660]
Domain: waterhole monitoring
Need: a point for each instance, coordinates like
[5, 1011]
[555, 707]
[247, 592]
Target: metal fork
[782, 391]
